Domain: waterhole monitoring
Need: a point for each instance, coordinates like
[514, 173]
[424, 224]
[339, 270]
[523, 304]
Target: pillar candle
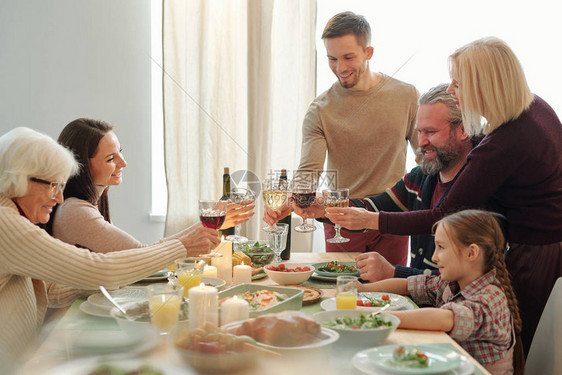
[234, 309]
[242, 274]
[210, 271]
[203, 306]
[224, 261]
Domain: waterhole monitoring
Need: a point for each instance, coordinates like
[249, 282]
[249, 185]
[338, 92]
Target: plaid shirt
[482, 320]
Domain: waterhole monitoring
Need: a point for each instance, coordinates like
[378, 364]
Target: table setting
[93, 329]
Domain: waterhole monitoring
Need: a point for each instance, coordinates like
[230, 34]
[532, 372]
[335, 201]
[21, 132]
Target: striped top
[29, 256]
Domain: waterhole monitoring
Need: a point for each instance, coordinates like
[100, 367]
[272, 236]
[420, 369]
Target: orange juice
[346, 301]
[188, 279]
[164, 311]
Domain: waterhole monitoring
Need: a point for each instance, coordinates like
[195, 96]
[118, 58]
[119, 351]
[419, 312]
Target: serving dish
[293, 302]
[363, 337]
[317, 266]
[289, 278]
[84, 366]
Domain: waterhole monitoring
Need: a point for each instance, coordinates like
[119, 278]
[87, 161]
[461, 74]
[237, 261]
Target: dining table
[57, 354]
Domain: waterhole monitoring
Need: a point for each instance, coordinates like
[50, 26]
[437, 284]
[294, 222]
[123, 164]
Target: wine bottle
[286, 254]
[225, 196]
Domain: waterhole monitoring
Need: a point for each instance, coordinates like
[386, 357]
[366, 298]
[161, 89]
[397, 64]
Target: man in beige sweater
[363, 122]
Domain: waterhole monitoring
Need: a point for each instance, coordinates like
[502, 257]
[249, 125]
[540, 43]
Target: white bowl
[290, 278]
[137, 329]
[328, 337]
[370, 336]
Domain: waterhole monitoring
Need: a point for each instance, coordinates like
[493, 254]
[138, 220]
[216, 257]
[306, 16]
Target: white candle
[224, 262]
[203, 306]
[242, 274]
[210, 271]
[234, 309]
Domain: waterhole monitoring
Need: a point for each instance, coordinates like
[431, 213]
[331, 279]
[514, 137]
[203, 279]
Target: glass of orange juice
[189, 272]
[164, 303]
[346, 292]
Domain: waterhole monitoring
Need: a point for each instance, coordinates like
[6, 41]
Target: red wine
[304, 200]
[213, 221]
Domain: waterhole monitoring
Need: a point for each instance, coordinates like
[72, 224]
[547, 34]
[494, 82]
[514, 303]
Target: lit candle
[210, 271]
[203, 306]
[224, 262]
[242, 274]
[234, 309]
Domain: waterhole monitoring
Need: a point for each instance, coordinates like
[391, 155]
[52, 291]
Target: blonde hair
[483, 229]
[26, 153]
[492, 84]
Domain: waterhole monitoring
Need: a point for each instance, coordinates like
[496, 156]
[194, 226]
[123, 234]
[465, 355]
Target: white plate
[85, 366]
[445, 361]
[122, 296]
[397, 302]
[87, 308]
[109, 342]
[160, 275]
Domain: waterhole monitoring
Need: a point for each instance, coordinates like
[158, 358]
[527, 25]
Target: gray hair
[438, 94]
[26, 153]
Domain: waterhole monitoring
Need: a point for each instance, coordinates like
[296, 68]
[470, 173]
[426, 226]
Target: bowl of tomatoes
[289, 273]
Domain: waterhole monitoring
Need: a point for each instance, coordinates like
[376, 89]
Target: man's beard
[443, 158]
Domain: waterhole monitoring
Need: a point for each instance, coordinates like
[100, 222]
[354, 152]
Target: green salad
[361, 321]
[260, 253]
[401, 357]
[336, 267]
[105, 369]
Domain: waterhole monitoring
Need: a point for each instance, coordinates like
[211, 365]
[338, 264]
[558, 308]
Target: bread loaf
[285, 329]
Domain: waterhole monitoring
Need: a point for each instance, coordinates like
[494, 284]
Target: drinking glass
[212, 213]
[303, 192]
[275, 196]
[336, 198]
[346, 292]
[189, 272]
[278, 240]
[164, 303]
[245, 197]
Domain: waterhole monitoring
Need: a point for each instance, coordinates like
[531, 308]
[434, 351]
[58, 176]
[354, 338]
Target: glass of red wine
[212, 213]
[303, 192]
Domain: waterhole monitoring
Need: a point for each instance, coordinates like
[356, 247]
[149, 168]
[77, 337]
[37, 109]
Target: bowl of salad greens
[335, 269]
[357, 326]
[258, 251]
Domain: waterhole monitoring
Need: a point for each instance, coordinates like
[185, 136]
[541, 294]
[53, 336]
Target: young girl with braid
[473, 299]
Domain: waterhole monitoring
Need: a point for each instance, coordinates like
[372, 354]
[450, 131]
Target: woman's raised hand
[199, 240]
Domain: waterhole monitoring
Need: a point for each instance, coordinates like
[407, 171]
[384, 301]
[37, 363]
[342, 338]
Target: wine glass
[245, 197]
[275, 196]
[303, 191]
[336, 198]
[212, 213]
[278, 240]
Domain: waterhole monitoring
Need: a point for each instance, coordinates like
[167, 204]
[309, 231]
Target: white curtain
[238, 78]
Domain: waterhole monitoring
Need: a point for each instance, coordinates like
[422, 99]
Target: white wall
[64, 59]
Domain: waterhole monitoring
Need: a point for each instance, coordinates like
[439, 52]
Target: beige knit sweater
[29, 256]
[365, 134]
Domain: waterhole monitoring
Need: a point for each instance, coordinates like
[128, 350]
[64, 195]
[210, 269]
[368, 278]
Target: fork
[385, 307]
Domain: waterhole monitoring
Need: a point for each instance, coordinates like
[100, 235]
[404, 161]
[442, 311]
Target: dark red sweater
[517, 168]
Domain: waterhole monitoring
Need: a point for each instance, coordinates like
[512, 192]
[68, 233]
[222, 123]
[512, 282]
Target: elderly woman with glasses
[33, 172]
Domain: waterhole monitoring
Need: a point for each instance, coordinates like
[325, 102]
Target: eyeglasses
[54, 187]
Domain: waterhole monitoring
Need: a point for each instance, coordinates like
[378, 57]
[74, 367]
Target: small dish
[87, 308]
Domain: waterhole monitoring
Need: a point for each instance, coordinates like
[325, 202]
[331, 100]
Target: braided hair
[487, 230]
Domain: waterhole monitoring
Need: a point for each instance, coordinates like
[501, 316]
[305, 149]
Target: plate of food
[409, 359]
[287, 332]
[265, 299]
[334, 269]
[373, 301]
[258, 273]
[311, 295]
